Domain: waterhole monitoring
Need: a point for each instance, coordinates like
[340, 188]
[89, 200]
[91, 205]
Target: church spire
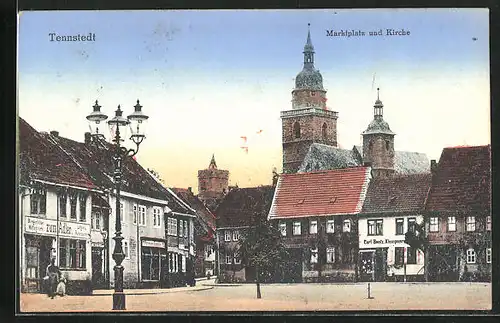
[308, 50]
[212, 165]
[378, 107]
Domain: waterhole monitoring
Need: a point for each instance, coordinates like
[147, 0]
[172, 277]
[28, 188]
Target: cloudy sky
[206, 78]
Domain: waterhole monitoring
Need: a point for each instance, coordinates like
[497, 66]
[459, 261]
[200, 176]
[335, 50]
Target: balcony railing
[309, 111]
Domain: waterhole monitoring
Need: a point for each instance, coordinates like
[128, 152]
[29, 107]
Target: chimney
[87, 138]
[54, 133]
[190, 189]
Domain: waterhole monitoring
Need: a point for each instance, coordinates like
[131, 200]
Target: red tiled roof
[405, 193]
[41, 158]
[462, 181]
[338, 191]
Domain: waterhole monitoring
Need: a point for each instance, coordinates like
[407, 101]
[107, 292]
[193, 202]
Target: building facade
[392, 207]
[458, 215]
[317, 214]
[212, 184]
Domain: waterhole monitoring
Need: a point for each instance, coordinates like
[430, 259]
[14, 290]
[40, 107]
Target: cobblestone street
[280, 297]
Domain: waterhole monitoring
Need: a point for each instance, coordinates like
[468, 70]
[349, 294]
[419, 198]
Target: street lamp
[118, 125]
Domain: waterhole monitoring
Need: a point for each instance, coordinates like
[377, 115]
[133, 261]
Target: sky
[208, 77]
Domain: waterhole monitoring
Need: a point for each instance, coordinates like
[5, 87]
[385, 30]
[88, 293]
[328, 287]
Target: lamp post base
[118, 301]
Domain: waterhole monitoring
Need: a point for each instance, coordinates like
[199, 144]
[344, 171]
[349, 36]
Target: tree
[416, 238]
[261, 247]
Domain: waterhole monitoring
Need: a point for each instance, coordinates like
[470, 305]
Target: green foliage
[417, 239]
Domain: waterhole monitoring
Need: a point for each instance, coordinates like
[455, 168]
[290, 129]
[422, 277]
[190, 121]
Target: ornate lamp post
[118, 125]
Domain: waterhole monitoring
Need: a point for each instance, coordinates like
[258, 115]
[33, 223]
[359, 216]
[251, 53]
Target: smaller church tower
[378, 143]
[212, 183]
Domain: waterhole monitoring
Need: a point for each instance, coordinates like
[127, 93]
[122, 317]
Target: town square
[171, 165]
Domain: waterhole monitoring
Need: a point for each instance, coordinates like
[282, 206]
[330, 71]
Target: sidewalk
[200, 285]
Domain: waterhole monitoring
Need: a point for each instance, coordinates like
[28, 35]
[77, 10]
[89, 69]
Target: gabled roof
[41, 158]
[241, 205]
[324, 157]
[332, 192]
[405, 193]
[462, 180]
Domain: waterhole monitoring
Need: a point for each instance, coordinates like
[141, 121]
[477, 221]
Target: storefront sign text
[49, 227]
[153, 244]
[379, 241]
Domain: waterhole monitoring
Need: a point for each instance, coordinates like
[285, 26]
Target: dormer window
[296, 129]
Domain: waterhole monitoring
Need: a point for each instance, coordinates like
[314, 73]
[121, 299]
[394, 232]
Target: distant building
[458, 215]
[392, 207]
[212, 184]
[234, 216]
[317, 214]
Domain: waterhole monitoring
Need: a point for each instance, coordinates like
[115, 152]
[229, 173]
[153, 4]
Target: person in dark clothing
[54, 275]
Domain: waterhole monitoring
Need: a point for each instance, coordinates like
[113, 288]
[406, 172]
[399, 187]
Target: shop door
[380, 264]
[97, 268]
[366, 266]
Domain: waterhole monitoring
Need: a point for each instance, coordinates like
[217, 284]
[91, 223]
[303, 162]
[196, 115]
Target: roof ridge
[345, 169]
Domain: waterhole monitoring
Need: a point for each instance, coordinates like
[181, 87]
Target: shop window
[172, 226]
[330, 226]
[411, 256]
[314, 256]
[72, 203]
[434, 224]
[227, 235]
[72, 254]
[296, 229]
[400, 226]
[488, 255]
[399, 256]
[347, 226]
[471, 223]
[151, 263]
[83, 207]
[282, 227]
[330, 255]
[412, 226]
[32, 261]
[62, 202]
[488, 223]
[471, 256]
[296, 130]
[452, 223]
[313, 227]
[236, 235]
[156, 217]
[39, 201]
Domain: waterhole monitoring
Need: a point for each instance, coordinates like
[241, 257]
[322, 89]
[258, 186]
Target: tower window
[370, 145]
[313, 93]
[323, 131]
[387, 145]
[296, 129]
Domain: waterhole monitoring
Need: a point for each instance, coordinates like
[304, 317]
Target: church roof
[309, 78]
[325, 157]
[378, 125]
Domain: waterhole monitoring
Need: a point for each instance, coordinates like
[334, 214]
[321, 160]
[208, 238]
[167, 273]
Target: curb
[168, 291]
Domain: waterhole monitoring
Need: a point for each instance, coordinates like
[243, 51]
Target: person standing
[54, 275]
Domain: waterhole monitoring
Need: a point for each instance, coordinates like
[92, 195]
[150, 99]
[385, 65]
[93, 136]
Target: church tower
[309, 121]
[212, 183]
[378, 143]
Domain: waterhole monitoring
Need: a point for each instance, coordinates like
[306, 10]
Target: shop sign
[49, 227]
[153, 243]
[382, 241]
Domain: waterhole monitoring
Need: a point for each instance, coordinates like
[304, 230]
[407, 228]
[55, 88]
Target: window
[398, 255]
[370, 145]
[314, 256]
[236, 235]
[228, 259]
[488, 223]
[347, 226]
[296, 129]
[387, 145]
[185, 228]
[62, 201]
[172, 226]
[282, 227]
[236, 258]
[72, 253]
[313, 93]
[95, 220]
[471, 223]
[323, 131]
[83, 207]
[181, 228]
[400, 226]
[330, 226]
[39, 201]
[434, 224]
[411, 256]
[375, 227]
[72, 203]
[151, 262]
[412, 225]
[296, 229]
[191, 231]
[142, 215]
[488, 255]
[471, 256]
[122, 210]
[330, 255]
[227, 235]
[134, 214]
[452, 223]
[313, 227]
[156, 217]
[126, 249]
